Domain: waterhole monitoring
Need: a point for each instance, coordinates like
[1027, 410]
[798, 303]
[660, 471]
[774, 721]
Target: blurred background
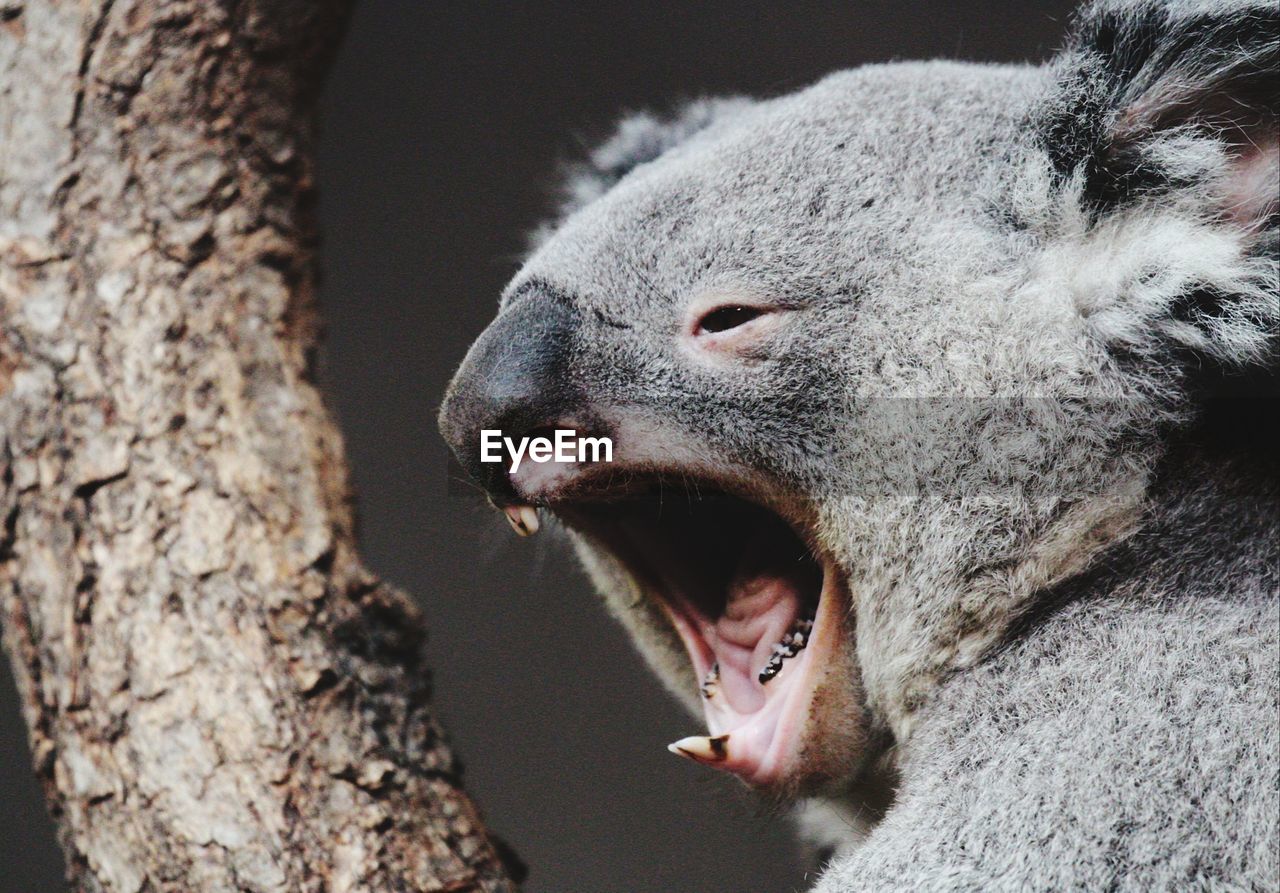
[444, 125]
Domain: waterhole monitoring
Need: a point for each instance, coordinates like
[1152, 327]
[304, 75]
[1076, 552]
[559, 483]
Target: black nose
[517, 379]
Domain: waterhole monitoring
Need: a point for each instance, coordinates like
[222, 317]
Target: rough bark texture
[220, 697]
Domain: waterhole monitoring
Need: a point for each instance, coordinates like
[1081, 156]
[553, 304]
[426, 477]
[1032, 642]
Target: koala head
[883, 361]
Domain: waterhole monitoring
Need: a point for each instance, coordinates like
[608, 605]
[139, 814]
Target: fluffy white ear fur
[1177, 178]
[1129, 278]
[1229, 95]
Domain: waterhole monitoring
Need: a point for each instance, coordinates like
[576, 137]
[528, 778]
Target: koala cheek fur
[998, 409]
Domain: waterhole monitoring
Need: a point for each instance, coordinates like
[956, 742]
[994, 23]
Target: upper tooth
[523, 518]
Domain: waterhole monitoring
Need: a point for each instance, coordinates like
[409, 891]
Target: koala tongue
[761, 606]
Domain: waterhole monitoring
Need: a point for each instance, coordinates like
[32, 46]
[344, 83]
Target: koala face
[878, 366]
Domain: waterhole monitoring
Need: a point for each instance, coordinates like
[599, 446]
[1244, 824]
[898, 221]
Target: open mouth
[757, 607]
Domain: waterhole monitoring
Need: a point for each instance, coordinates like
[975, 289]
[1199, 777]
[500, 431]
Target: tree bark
[219, 695]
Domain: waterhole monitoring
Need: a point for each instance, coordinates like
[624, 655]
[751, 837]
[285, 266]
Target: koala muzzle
[516, 379]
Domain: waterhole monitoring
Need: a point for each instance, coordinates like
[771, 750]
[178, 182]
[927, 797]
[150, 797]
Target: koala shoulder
[1007, 786]
[1128, 740]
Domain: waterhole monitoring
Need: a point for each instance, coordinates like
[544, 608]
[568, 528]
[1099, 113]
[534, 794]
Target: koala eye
[721, 319]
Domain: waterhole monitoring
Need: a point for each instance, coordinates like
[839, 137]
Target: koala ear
[638, 138]
[1159, 94]
[1165, 121]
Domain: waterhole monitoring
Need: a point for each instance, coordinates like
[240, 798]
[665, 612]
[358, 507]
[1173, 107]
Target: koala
[943, 487]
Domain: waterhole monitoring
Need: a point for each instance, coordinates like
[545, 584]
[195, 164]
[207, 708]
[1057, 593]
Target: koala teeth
[701, 749]
[523, 519]
[708, 687]
[792, 644]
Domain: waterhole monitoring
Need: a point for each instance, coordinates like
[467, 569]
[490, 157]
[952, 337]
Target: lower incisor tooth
[702, 748]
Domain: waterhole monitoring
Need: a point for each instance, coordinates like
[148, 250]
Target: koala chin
[942, 403]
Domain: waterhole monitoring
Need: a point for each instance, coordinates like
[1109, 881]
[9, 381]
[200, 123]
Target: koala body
[941, 403]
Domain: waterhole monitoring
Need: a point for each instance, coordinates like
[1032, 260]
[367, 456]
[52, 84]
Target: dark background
[444, 123]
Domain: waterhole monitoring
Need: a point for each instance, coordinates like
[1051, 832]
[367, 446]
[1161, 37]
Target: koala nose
[516, 379]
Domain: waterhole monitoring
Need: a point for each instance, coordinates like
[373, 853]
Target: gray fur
[1008, 292]
[1127, 742]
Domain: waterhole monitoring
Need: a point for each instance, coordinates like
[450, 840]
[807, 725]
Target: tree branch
[219, 695]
